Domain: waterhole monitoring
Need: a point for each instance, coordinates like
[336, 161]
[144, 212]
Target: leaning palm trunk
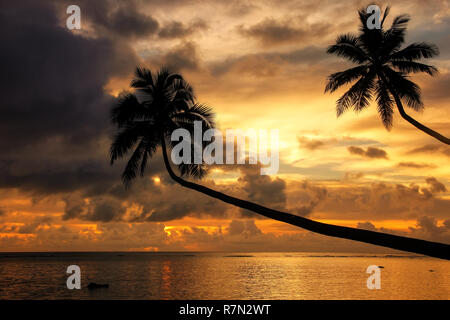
[433, 249]
[408, 118]
[417, 124]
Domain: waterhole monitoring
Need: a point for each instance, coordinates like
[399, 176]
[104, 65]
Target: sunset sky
[260, 65]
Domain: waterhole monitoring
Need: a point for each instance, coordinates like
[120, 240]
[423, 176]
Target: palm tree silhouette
[164, 102]
[382, 71]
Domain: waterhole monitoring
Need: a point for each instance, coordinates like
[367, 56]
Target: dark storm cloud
[370, 152]
[183, 56]
[88, 175]
[252, 186]
[54, 110]
[33, 226]
[127, 20]
[273, 32]
[311, 54]
[383, 200]
[131, 23]
[30, 227]
[429, 224]
[267, 64]
[263, 189]
[427, 227]
[103, 207]
[176, 29]
[106, 211]
[304, 197]
[202, 206]
[116, 18]
[167, 201]
[247, 228]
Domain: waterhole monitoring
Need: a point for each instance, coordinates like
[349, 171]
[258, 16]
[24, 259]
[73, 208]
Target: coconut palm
[164, 102]
[161, 104]
[382, 71]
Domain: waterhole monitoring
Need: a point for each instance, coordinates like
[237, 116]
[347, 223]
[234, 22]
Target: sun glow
[156, 180]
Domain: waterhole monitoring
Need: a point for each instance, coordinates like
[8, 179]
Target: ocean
[183, 275]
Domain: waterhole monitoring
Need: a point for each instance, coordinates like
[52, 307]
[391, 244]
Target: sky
[258, 64]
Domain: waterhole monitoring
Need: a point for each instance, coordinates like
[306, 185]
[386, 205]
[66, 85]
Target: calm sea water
[222, 276]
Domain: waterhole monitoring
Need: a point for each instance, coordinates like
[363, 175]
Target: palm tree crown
[382, 70]
[161, 103]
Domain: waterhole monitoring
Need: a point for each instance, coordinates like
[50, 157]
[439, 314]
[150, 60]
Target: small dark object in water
[94, 285]
[431, 270]
[381, 267]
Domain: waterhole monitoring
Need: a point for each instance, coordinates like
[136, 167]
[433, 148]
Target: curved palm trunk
[414, 122]
[417, 124]
[433, 249]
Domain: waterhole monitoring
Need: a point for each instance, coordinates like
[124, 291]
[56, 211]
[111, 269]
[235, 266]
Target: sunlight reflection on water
[222, 276]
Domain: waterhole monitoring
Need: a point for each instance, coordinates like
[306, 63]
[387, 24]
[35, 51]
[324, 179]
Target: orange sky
[260, 65]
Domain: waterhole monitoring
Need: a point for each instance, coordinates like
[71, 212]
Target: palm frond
[171, 78]
[385, 104]
[143, 78]
[186, 120]
[179, 103]
[394, 37]
[416, 51]
[405, 88]
[338, 79]
[132, 166]
[358, 95]
[128, 136]
[178, 96]
[414, 67]
[144, 95]
[161, 78]
[198, 112]
[348, 46]
[385, 14]
[196, 171]
[400, 23]
[127, 110]
[191, 169]
[182, 90]
[363, 16]
[150, 148]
